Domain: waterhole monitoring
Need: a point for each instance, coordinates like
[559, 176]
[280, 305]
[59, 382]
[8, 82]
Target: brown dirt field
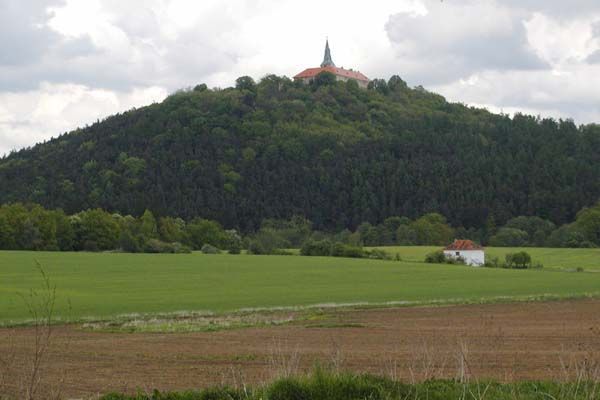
[502, 341]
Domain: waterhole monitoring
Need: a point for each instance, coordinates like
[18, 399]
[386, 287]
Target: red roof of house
[312, 72]
[463, 245]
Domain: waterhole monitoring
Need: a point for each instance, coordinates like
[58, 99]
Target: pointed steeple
[327, 61]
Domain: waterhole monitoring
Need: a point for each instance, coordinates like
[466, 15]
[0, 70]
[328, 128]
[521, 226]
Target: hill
[330, 151]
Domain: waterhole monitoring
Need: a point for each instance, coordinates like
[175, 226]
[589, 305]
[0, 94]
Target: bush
[316, 248]
[266, 241]
[235, 248]
[437, 257]
[346, 250]
[128, 243]
[493, 262]
[256, 247]
[520, 260]
[158, 246]
[378, 254]
[209, 249]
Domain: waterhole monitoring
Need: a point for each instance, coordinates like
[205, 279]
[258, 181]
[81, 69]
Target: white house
[472, 253]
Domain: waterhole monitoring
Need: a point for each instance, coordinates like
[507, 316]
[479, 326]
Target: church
[327, 65]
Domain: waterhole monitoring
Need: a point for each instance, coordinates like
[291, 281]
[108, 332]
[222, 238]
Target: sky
[68, 63]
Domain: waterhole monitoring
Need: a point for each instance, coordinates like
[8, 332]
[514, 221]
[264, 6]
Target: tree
[148, 226]
[406, 236]
[432, 229]
[509, 237]
[172, 229]
[537, 229]
[519, 260]
[95, 230]
[324, 79]
[588, 223]
[202, 231]
[245, 83]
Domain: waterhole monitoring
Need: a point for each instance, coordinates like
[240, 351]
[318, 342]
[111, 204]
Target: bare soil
[518, 341]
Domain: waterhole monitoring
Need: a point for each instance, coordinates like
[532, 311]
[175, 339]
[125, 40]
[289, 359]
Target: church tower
[327, 61]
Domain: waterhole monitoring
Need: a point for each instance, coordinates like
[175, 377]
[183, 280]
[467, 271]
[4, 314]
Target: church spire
[327, 61]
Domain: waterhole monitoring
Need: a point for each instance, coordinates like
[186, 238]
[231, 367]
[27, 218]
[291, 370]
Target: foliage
[158, 246]
[316, 248]
[328, 385]
[437, 257]
[202, 231]
[347, 250]
[519, 260]
[432, 228]
[378, 254]
[335, 154]
[509, 237]
[210, 249]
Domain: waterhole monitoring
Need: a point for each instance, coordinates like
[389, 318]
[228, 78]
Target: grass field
[105, 285]
[551, 258]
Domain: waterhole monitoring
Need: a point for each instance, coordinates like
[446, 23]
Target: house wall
[471, 257]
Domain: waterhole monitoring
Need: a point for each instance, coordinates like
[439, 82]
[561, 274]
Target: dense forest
[335, 154]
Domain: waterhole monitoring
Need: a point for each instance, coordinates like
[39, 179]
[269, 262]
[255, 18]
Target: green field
[551, 258]
[105, 285]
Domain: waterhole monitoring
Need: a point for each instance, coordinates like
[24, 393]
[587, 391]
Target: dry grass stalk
[337, 356]
[29, 373]
[283, 363]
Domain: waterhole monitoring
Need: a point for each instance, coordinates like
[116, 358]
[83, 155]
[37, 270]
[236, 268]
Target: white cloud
[30, 117]
[85, 60]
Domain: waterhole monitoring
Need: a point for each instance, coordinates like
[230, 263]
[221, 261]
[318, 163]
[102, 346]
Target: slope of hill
[332, 152]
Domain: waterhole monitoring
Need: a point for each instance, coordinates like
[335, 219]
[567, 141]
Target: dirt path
[504, 341]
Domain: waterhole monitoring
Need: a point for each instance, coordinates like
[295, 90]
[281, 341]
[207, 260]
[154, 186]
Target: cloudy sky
[65, 63]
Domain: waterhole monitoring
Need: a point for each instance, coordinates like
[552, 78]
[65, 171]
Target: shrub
[234, 242]
[158, 246]
[209, 249]
[235, 248]
[519, 260]
[128, 243]
[266, 241]
[256, 247]
[346, 250]
[316, 248]
[493, 262]
[91, 245]
[378, 254]
[437, 257]
[179, 248]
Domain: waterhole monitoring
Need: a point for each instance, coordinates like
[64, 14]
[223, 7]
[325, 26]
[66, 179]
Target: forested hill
[332, 152]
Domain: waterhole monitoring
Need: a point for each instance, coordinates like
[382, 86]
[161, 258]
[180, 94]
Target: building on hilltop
[327, 65]
[472, 253]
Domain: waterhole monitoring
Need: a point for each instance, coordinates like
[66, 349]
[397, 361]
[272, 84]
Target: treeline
[329, 151]
[32, 227]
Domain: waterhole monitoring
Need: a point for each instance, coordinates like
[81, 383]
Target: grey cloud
[556, 8]
[23, 32]
[596, 29]
[454, 43]
[31, 51]
[594, 58]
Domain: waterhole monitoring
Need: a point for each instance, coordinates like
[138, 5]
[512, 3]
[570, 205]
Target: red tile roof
[463, 245]
[312, 72]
